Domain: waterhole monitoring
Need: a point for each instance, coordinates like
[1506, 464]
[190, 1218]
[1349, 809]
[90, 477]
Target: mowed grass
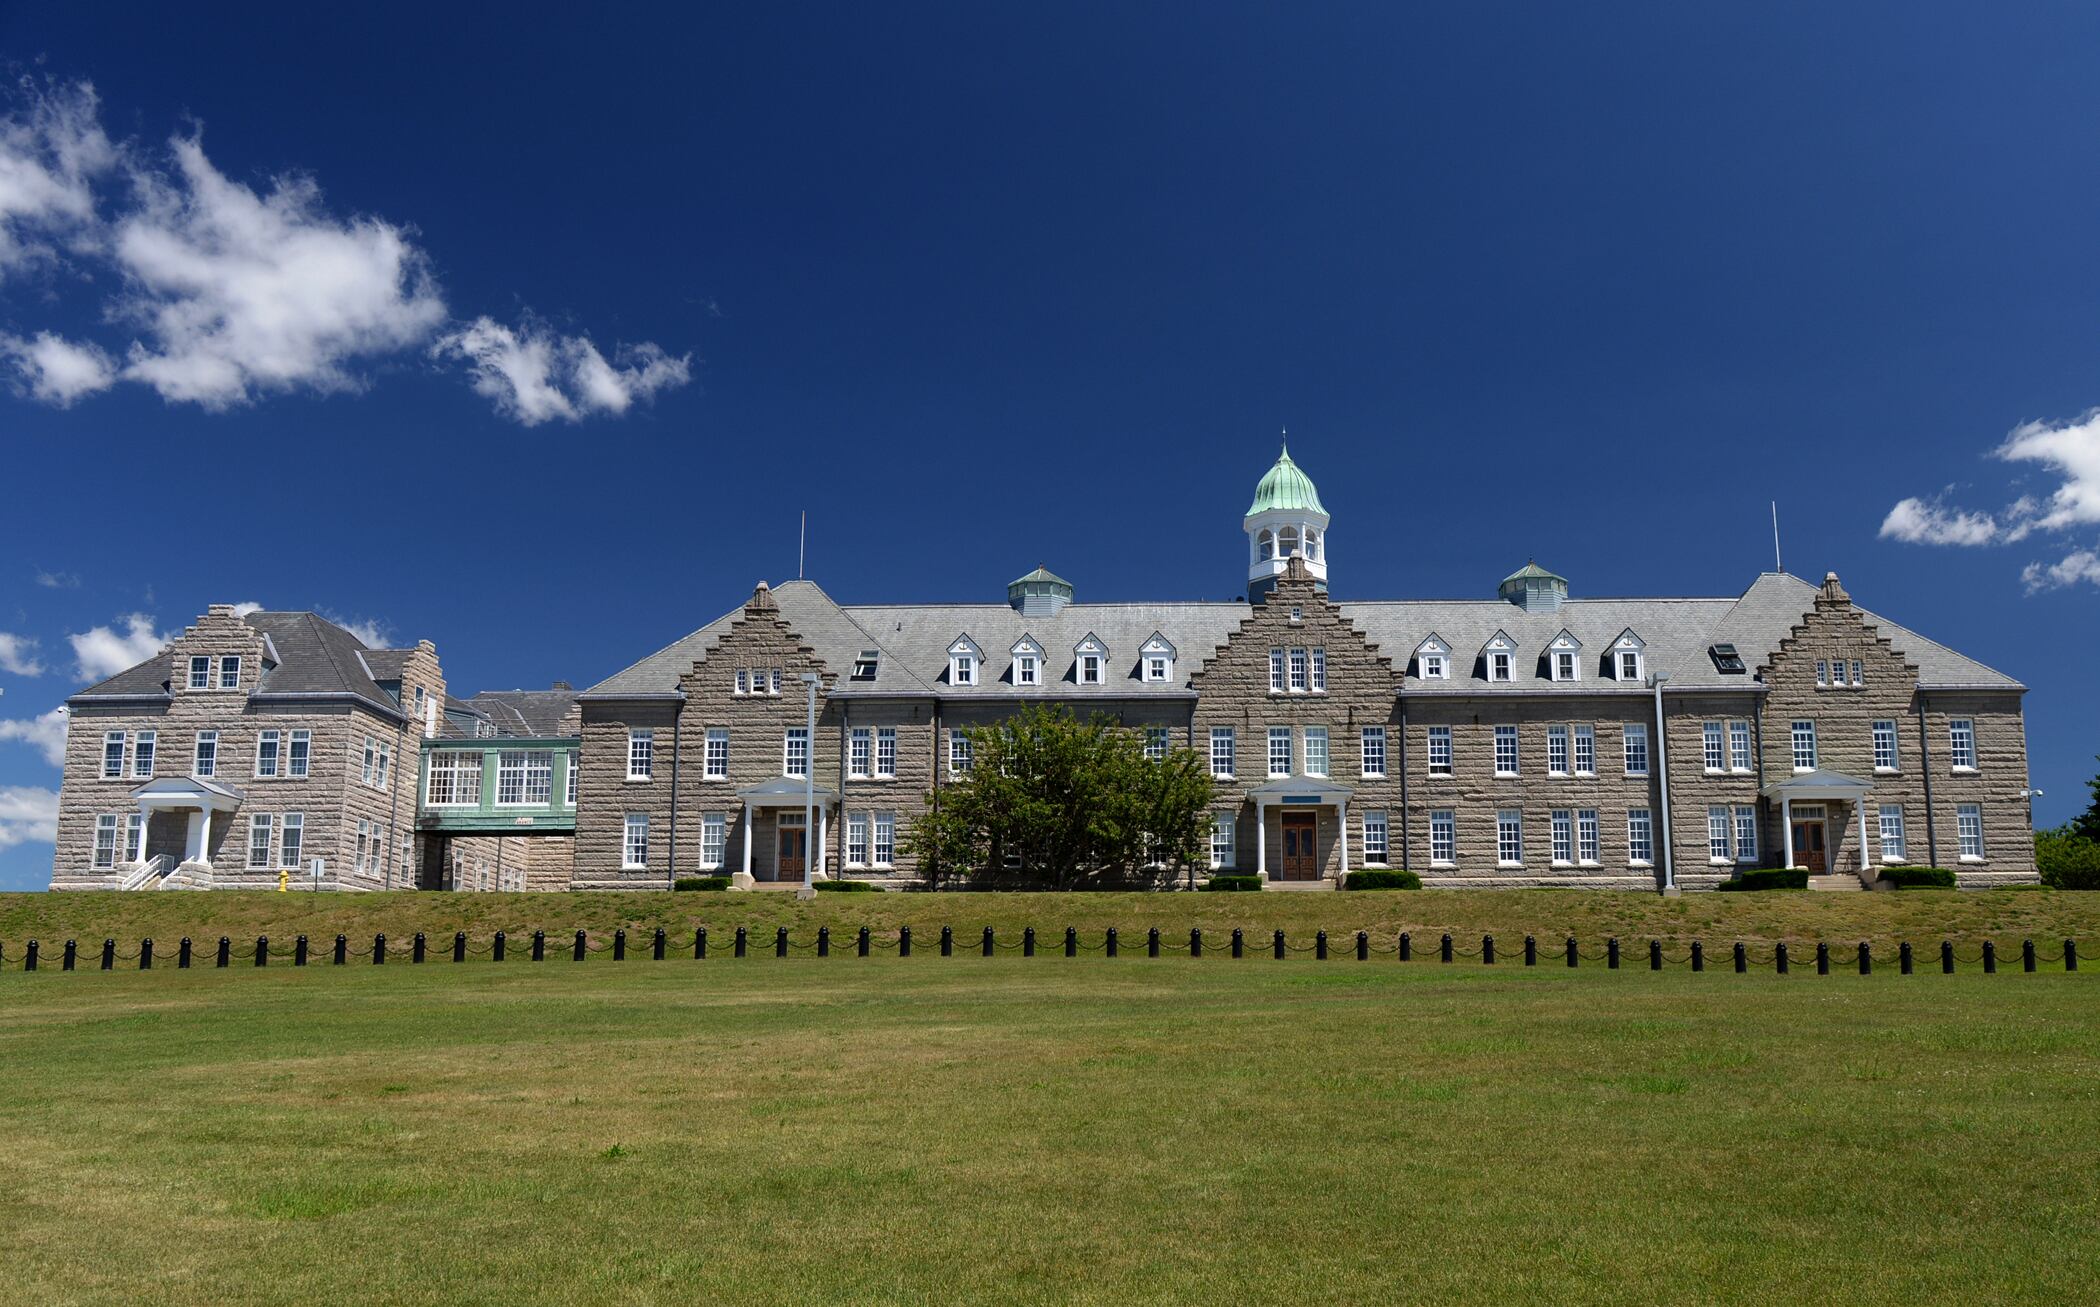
[1046, 1131]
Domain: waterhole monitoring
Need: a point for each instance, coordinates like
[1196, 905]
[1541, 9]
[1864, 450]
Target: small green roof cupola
[1534, 589]
[1041, 593]
[1285, 522]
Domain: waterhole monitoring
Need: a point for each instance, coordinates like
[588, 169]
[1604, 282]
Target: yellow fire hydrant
[284, 880]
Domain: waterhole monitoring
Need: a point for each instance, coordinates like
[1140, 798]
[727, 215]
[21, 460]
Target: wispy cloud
[47, 734]
[243, 609]
[375, 632]
[2070, 451]
[58, 580]
[28, 815]
[1929, 522]
[18, 655]
[230, 293]
[104, 651]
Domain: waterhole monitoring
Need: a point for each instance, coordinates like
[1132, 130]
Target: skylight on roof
[1727, 660]
[864, 666]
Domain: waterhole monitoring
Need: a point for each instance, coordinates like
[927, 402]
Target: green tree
[2086, 825]
[1055, 801]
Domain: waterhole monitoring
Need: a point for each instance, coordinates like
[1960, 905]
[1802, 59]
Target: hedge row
[1762, 878]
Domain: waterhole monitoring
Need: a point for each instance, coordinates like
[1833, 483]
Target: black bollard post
[459, 946]
[182, 954]
[656, 945]
[1822, 958]
[1572, 955]
[1531, 951]
[378, 950]
[1195, 941]
[1655, 955]
[860, 941]
[1903, 958]
[1407, 946]
[29, 962]
[225, 952]
[1152, 942]
[109, 954]
[699, 943]
[1742, 958]
[342, 950]
[1487, 950]
[780, 941]
[743, 940]
[1320, 946]
[904, 941]
[1698, 956]
[1028, 941]
[1110, 945]
[1278, 945]
[539, 946]
[1363, 946]
[1990, 958]
[823, 941]
[1866, 959]
[1611, 953]
[947, 942]
[416, 951]
[2027, 955]
[2070, 954]
[1239, 943]
[1947, 957]
[66, 963]
[988, 941]
[1071, 942]
[577, 949]
[501, 940]
[146, 954]
[1779, 957]
[262, 950]
[299, 951]
[620, 944]
[1443, 948]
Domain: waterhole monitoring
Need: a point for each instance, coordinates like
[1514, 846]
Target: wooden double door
[1301, 846]
[1809, 844]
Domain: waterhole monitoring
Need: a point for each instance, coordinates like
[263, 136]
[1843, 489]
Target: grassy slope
[1046, 1131]
[1923, 917]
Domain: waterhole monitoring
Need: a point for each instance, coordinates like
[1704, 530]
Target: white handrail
[155, 866]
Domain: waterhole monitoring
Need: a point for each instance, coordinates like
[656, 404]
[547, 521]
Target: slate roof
[315, 657]
[528, 713]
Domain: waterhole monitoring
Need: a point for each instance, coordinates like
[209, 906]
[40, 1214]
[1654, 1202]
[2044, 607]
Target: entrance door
[1301, 838]
[1808, 845]
[794, 844]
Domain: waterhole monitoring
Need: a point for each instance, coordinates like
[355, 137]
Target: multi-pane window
[200, 673]
[1224, 834]
[1498, 667]
[1885, 746]
[1640, 836]
[1376, 843]
[1629, 665]
[524, 776]
[1276, 673]
[1509, 837]
[106, 840]
[1505, 751]
[758, 680]
[963, 669]
[1746, 832]
[857, 839]
[1025, 669]
[1374, 751]
[1300, 671]
[1961, 743]
[1156, 742]
[1717, 832]
[113, 755]
[1586, 836]
[204, 762]
[1279, 751]
[1859, 674]
[1739, 746]
[267, 744]
[1556, 750]
[885, 751]
[573, 773]
[1636, 749]
[1156, 666]
[1319, 671]
[142, 753]
[370, 762]
[714, 836]
[455, 779]
[714, 759]
[641, 754]
[1968, 825]
[364, 845]
[794, 752]
[1433, 667]
[1316, 751]
[885, 851]
[1563, 665]
[1822, 671]
[634, 843]
[1090, 669]
[1439, 751]
[959, 754]
[1563, 836]
[860, 748]
[1585, 751]
[135, 837]
[293, 840]
[230, 672]
[1713, 746]
[260, 829]
[1892, 832]
[299, 763]
[1804, 733]
[385, 764]
[1443, 836]
[1222, 748]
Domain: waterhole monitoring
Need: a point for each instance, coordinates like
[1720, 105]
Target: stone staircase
[1837, 882]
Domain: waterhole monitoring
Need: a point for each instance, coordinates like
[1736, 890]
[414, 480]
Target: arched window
[1312, 544]
[1268, 545]
[1287, 542]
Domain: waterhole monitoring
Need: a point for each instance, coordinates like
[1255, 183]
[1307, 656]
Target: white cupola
[1286, 521]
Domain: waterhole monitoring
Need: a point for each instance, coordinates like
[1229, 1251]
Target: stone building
[1529, 738]
[499, 780]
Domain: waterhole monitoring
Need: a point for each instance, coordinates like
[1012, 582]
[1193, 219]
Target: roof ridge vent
[1041, 593]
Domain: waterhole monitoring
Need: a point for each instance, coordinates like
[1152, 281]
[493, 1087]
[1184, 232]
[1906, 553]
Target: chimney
[562, 685]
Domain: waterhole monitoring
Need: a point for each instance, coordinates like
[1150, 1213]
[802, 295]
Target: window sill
[1508, 866]
[1804, 771]
[1508, 775]
[1966, 771]
[1556, 776]
[1444, 866]
[1720, 862]
[1971, 858]
[639, 780]
[1636, 862]
[1887, 771]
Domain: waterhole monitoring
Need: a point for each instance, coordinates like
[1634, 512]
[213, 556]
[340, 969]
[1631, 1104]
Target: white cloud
[28, 815]
[49, 157]
[2078, 565]
[1927, 522]
[17, 655]
[56, 370]
[375, 632]
[2073, 451]
[58, 580]
[243, 609]
[105, 651]
[47, 733]
[537, 375]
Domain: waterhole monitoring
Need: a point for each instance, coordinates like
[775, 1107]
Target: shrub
[700, 882]
[2067, 861]
[1918, 877]
[845, 887]
[1231, 883]
[1762, 878]
[1382, 880]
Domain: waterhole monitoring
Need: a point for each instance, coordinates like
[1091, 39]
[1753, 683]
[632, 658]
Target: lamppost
[809, 791]
[1662, 764]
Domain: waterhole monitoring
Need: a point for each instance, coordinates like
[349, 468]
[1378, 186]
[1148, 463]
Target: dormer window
[1158, 656]
[1629, 664]
[1498, 666]
[1564, 658]
[1433, 660]
[963, 658]
[1028, 662]
[864, 666]
[1090, 660]
[1090, 669]
[1628, 658]
[1499, 656]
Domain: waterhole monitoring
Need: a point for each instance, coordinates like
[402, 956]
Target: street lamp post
[809, 791]
[1662, 766]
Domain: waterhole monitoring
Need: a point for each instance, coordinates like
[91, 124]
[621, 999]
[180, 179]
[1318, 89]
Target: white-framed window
[1585, 749]
[714, 838]
[1804, 737]
[1090, 669]
[1373, 752]
[200, 673]
[857, 839]
[885, 850]
[261, 827]
[714, 759]
[743, 681]
[1316, 751]
[885, 752]
[230, 672]
[962, 669]
[1499, 666]
[1223, 748]
[363, 862]
[1277, 683]
[1718, 829]
[1319, 671]
[960, 754]
[1563, 837]
[1376, 840]
[1713, 740]
[1027, 669]
[1157, 741]
[1556, 750]
[1739, 746]
[267, 745]
[1746, 832]
[1885, 746]
[204, 762]
[572, 776]
[1586, 850]
[370, 762]
[1505, 751]
[1439, 741]
[1968, 825]
[1443, 837]
[1435, 667]
[454, 780]
[794, 752]
[1301, 670]
[1628, 661]
[1224, 837]
[385, 764]
[634, 842]
[1566, 665]
[142, 748]
[292, 843]
[1509, 837]
[641, 754]
[1640, 837]
[1961, 744]
[1636, 748]
[1822, 672]
[299, 763]
[524, 777]
[135, 837]
[1158, 667]
[1279, 751]
[105, 841]
[860, 751]
[112, 755]
[1892, 844]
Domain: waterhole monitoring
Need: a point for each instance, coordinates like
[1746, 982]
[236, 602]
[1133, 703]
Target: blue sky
[534, 337]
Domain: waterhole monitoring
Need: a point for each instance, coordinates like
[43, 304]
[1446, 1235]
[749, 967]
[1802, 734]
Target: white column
[823, 839]
[1786, 830]
[193, 838]
[1342, 811]
[750, 837]
[1261, 838]
[1865, 867]
[204, 844]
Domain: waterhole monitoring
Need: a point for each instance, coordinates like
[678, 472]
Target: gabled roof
[1672, 629]
[315, 657]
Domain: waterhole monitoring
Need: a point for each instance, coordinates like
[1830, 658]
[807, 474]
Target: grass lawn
[961, 1130]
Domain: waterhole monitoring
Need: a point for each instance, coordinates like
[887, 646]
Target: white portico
[783, 799]
[1809, 824]
[1299, 802]
[195, 796]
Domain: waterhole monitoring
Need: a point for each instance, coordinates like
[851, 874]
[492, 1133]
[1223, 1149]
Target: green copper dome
[1286, 487]
[1531, 571]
